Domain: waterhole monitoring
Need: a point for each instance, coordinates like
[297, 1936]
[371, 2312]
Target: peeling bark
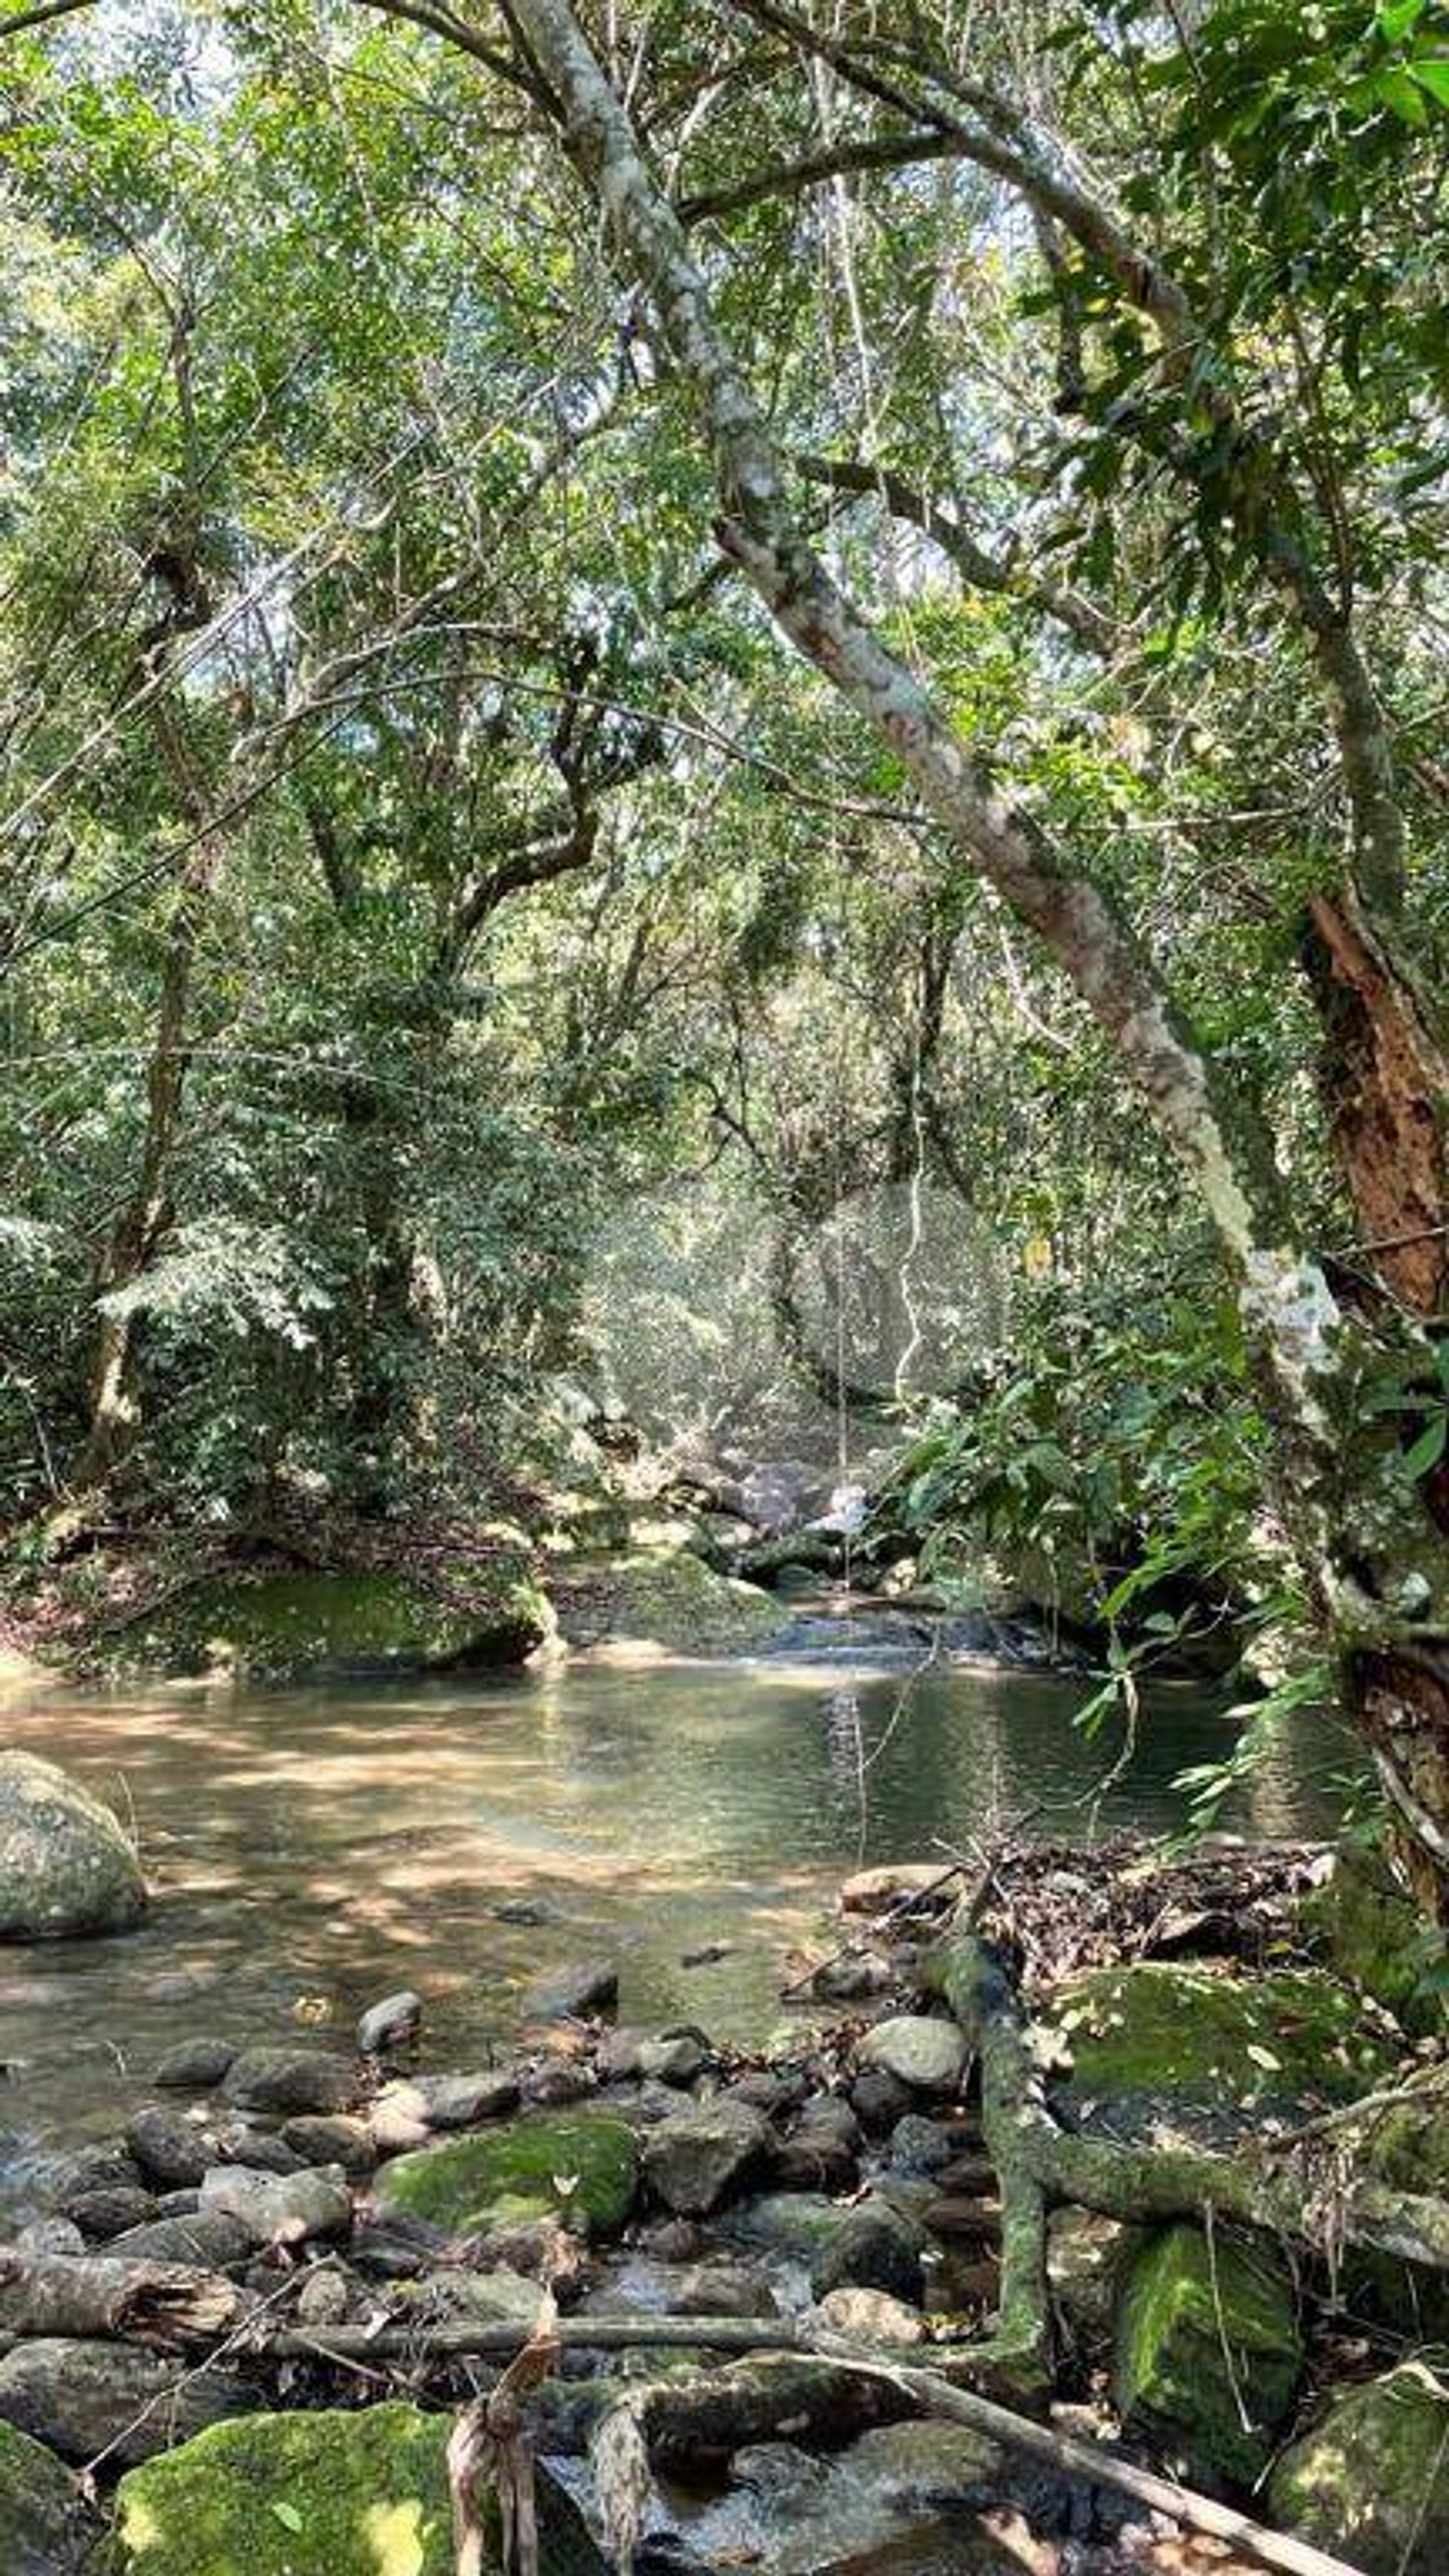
[1383, 1077]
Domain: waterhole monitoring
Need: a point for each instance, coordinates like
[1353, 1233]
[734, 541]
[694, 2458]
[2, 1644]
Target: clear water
[313, 1849]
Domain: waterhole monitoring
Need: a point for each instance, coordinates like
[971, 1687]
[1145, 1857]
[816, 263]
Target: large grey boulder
[66, 1867]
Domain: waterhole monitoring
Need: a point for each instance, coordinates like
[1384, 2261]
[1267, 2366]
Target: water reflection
[314, 1847]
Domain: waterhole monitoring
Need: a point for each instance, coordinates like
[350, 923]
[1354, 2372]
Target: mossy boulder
[1409, 2145]
[1370, 2481]
[670, 1599]
[45, 2526]
[583, 2167]
[1208, 2352]
[343, 1625]
[1375, 1938]
[1156, 2032]
[66, 1867]
[294, 2495]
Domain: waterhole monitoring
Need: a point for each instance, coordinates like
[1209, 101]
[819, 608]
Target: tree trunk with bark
[1376, 1565]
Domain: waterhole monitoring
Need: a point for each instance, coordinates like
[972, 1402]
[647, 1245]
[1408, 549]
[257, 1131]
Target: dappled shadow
[310, 1847]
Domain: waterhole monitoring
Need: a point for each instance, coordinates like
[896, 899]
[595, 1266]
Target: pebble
[393, 2024]
[286, 2080]
[194, 2065]
[456, 2101]
[279, 2209]
[169, 2148]
[926, 2054]
[338, 2140]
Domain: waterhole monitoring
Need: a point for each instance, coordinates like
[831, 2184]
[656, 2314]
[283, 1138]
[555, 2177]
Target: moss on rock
[45, 2527]
[293, 2495]
[1376, 1939]
[1209, 2354]
[1160, 2030]
[583, 2167]
[343, 1624]
[1370, 2481]
[670, 1599]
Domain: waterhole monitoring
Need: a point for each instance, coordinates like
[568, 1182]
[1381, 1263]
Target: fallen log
[167, 2306]
[1038, 2162]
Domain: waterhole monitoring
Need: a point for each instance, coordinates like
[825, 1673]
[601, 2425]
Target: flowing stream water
[312, 1849]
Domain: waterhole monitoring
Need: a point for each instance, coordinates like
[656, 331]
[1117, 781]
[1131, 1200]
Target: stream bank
[354, 2243]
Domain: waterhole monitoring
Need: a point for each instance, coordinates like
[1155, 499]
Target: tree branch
[1006, 845]
[982, 571]
[812, 169]
[1258, 480]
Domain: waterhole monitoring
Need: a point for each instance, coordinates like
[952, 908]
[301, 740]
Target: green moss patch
[342, 1624]
[1370, 1929]
[1370, 2482]
[670, 1599]
[583, 2168]
[293, 2495]
[1209, 2354]
[1180, 2032]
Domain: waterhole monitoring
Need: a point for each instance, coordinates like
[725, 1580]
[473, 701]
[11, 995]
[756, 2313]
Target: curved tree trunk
[1376, 1566]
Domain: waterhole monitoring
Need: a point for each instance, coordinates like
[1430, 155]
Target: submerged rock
[901, 2496]
[66, 1867]
[567, 1993]
[1209, 2353]
[1370, 2480]
[287, 1625]
[584, 2168]
[698, 2157]
[45, 2525]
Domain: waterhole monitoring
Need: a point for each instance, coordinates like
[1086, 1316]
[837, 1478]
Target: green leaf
[1432, 74]
[1398, 90]
[1398, 18]
[1428, 1449]
[287, 2515]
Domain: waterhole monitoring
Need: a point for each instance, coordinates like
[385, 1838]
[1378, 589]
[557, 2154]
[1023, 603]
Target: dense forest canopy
[657, 662]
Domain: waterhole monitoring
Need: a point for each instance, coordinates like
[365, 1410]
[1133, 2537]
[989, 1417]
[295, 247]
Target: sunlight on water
[313, 1848]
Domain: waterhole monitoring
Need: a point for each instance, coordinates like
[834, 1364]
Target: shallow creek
[311, 1849]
